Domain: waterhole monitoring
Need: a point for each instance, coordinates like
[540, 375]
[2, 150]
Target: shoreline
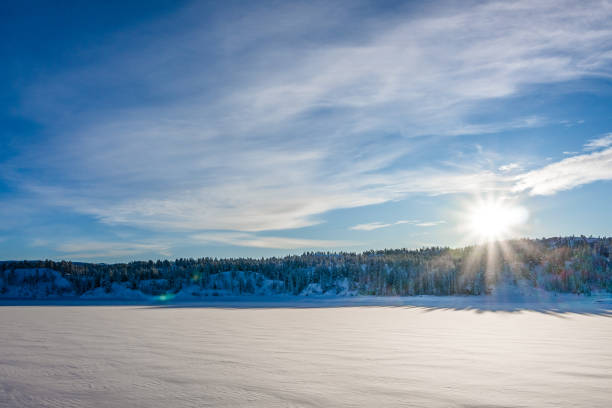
[553, 303]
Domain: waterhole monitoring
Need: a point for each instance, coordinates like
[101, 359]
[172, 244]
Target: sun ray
[488, 223]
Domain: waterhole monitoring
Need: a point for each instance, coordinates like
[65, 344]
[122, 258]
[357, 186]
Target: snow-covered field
[464, 352]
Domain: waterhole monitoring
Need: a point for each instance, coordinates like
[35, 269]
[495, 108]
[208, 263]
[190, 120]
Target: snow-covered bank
[562, 265]
[48, 287]
[548, 303]
[34, 283]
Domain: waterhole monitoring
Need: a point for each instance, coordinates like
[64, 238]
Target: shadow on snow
[554, 305]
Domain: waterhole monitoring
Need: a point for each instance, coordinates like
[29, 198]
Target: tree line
[567, 264]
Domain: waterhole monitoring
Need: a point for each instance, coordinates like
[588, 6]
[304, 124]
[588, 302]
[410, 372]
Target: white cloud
[509, 167]
[567, 173]
[377, 225]
[475, 129]
[430, 223]
[272, 204]
[370, 226]
[104, 249]
[599, 143]
[268, 134]
[251, 240]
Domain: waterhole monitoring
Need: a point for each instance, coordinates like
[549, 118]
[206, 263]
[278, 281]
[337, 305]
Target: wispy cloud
[599, 143]
[370, 226]
[40, 242]
[377, 225]
[251, 240]
[567, 173]
[430, 223]
[102, 249]
[509, 167]
[570, 123]
[259, 124]
[475, 129]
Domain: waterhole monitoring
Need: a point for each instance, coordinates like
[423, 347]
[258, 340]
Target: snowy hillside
[513, 268]
[34, 283]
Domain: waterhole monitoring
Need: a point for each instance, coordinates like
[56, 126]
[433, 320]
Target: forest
[567, 264]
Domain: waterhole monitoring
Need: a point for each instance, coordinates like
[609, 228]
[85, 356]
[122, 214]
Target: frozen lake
[225, 356]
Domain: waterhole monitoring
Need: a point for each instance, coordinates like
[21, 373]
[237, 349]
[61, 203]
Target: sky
[170, 129]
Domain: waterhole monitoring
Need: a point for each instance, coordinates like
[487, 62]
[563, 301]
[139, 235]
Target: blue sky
[184, 129]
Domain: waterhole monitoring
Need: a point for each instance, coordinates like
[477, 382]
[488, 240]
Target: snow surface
[278, 352]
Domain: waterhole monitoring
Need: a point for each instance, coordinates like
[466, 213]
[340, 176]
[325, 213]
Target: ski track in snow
[234, 354]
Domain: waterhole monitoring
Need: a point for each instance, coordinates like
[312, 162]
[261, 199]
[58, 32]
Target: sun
[495, 219]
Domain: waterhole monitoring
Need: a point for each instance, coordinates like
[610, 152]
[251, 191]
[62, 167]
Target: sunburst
[494, 219]
[489, 222]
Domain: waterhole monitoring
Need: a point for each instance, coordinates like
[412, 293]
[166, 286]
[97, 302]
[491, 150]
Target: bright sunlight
[494, 219]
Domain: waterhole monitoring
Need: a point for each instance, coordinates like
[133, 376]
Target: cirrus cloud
[272, 119]
[251, 240]
[567, 174]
